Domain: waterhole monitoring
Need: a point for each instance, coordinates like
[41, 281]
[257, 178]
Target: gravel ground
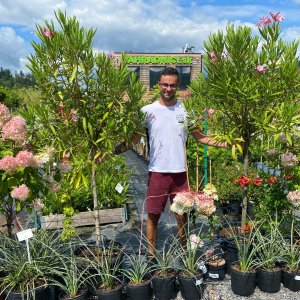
[221, 290]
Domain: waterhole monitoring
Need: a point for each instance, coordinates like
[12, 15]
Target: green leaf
[74, 73]
[52, 129]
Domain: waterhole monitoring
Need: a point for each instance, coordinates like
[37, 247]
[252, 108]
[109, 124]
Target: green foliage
[18, 80]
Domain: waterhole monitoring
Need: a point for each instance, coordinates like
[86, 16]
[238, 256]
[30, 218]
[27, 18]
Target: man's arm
[123, 146]
[208, 140]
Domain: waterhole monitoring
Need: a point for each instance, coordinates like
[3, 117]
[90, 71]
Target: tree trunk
[245, 191]
[96, 208]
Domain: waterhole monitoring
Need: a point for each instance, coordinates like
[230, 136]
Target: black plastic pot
[115, 294]
[230, 253]
[164, 288]
[269, 281]
[243, 283]
[291, 280]
[191, 287]
[40, 293]
[138, 292]
[216, 273]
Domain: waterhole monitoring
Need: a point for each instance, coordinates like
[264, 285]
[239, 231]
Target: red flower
[273, 180]
[242, 181]
[257, 181]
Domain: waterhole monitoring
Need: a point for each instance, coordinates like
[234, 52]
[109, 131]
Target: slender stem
[96, 207]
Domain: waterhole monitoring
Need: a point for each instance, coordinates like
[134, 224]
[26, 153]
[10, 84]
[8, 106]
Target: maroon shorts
[161, 186]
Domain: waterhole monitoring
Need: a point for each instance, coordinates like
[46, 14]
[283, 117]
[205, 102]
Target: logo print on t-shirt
[180, 118]
[151, 117]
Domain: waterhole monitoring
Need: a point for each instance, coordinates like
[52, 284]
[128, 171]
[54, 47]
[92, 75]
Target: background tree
[95, 99]
[253, 82]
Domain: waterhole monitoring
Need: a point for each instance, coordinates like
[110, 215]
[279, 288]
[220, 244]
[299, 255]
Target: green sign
[159, 60]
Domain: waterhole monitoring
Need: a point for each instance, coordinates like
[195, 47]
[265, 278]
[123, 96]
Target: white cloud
[12, 49]
[136, 25]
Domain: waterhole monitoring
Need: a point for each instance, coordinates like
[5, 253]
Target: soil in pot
[291, 280]
[82, 295]
[242, 283]
[164, 287]
[140, 291]
[191, 287]
[269, 281]
[216, 268]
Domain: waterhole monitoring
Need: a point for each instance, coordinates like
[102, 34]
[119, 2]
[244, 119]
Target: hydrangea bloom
[183, 202]
[38, 204]
[211, 190]
[21, 192]
[15, 130]
[8, 163]
[195, 242]
[26, 159]
[205, 204]
[288, 160]
[4, 115]
[294, 198]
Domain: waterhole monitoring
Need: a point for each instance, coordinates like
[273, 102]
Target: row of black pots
[244, 283]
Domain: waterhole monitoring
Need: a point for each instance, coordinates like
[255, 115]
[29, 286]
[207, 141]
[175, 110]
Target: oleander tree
[94, 97]
[254, 84]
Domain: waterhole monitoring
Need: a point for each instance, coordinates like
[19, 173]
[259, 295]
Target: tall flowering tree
[95, 99]
[253, 83]
[22, 177]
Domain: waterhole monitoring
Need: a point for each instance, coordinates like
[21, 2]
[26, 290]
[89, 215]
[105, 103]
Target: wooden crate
[87, 218]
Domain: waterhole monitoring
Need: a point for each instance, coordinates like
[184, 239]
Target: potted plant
[190, 273]
[73, 280]
[28, 274]
[138, 275]
[163, 280]
[243, 271]
[291, 257]
[268, 254]
[215, 263]
[105, 269]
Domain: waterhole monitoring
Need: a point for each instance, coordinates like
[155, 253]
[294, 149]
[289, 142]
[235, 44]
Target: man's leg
[181, 225]
[151, 231]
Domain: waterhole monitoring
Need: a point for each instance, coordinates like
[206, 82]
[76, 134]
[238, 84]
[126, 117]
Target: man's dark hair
[169, 71]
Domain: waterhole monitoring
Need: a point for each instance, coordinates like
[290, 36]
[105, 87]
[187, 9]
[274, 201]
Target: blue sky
[137, 25]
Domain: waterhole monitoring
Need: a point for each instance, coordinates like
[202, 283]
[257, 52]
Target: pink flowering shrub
[26, 159]
[183, 202]
[8, 163]
[205, 204]
[15, 130]
[21, 192]
[4, 115]
[288, 160]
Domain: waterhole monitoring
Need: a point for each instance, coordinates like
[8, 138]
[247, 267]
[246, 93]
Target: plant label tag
[202, 267]
[199, 281]
[119, 188]
[143, 141]
[297, 277]
[24, 235]
[215, 276]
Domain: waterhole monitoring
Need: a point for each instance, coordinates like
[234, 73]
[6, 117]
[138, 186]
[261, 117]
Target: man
[167, 134]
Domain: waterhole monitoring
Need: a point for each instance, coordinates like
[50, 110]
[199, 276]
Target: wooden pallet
[87, 218]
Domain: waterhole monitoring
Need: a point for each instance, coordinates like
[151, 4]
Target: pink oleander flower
[213, 56]
[8, 163]
[186, 94]
[205, 204]
[183, 202]
[55, 186]
[48, 32]
[4, 115]
[15, 129]
[111, 55]
[261, 68]
[26, 159]
[265, 20]
[272, 152]
[277, 17]
[288, 159]
[21, 192]
[195, 242]
[209, 111]
[38, 204]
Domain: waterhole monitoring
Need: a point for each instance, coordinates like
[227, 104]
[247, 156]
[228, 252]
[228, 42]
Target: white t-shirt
[167, 137]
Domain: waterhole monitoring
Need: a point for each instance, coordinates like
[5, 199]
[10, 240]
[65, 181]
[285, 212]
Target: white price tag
[143, 141]
[297, 277]
[215, 276]
[24, 235]
[199, 281]
[119, 188]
